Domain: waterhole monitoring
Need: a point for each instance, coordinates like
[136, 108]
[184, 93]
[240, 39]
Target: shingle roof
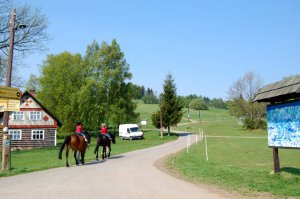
[280, 91]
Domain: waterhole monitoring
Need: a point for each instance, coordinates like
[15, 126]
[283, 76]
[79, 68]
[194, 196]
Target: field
[236, 163]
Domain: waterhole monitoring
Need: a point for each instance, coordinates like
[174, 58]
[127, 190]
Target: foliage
[137, 91]
[60, 81]
[171, 106]
[241, 95]
[33, 83]
[92, 89]
[106, 96]
[198, 104]
[150, 98]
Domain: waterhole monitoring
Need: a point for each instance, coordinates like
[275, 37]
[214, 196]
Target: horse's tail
[66, 141]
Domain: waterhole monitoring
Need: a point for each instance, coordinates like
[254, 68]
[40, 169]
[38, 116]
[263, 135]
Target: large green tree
[107, 95]
[60, 81]
[170, 105]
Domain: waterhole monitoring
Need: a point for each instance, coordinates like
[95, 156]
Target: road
[130, 175]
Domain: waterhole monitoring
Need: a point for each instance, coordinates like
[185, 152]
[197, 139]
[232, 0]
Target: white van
[130, 131]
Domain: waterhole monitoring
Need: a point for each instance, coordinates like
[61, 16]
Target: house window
[15, 134]
[37, 134]
[19, 116]
[35, 115]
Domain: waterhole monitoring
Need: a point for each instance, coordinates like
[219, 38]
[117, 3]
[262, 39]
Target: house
[33, 126]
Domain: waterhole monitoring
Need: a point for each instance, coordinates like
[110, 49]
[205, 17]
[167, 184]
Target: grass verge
[239, 164]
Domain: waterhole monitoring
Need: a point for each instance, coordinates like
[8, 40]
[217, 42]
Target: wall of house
[28, 143]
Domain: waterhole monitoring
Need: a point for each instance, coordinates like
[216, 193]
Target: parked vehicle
[130, 131]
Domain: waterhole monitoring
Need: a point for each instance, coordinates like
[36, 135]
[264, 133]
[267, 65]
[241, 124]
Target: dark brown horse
[105, 142]
[77, 144]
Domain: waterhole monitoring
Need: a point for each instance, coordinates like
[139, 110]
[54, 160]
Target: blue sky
[206, 45]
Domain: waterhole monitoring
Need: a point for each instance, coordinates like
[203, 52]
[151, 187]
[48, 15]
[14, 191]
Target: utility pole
[161, 130]
[6, 136]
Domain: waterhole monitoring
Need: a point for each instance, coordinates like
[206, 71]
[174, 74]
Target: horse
[104, 141]
[77, 144]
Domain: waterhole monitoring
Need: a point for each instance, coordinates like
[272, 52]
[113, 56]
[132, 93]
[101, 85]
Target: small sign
[144, 122]
[9, 92]
[9, 105]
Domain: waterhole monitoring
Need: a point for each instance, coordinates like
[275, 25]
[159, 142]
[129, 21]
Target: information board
[284, 125]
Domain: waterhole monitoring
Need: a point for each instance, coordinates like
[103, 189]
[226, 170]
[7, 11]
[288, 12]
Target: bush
[252, 124]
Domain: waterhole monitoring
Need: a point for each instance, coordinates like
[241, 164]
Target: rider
[79, 130]
[104, 131]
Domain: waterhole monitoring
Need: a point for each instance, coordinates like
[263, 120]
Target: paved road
[130, 175]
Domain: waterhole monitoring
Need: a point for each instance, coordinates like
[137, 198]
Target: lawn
[46, 158]
[236, 163]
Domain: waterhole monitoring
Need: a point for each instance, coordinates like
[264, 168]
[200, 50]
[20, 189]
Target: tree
[26, 41]
[33, 83]
[241, 95]
[149, 97]
[107, 96]
[61, 79]
[171, 106]
[198, 104]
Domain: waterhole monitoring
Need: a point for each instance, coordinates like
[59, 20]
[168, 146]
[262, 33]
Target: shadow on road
[102, 161]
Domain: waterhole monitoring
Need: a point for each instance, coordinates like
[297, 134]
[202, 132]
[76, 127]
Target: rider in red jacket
[79, 130]
[104, 131]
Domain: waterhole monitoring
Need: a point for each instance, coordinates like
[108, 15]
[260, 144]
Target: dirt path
[130, 175]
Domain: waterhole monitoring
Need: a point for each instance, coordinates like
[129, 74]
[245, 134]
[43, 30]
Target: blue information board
[284, 125]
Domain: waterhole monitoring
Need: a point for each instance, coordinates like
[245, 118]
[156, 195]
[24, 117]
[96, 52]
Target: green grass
[244, 165]
[46, 158]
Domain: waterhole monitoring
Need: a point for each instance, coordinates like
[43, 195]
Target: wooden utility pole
[6, 136]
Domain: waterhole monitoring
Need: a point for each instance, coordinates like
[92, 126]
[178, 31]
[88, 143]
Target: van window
[134, 129]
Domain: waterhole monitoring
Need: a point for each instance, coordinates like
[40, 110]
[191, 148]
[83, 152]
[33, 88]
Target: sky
[206, 45]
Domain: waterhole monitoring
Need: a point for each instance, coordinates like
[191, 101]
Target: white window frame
[35, 115]
[13, 132]
[19, 116]
[37, 133]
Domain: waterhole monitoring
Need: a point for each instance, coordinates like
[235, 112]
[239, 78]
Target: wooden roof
[280, 91]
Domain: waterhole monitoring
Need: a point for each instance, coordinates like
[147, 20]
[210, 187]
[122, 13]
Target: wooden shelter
[287, 90]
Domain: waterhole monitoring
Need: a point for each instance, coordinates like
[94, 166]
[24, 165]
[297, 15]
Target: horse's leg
[67, 155]
[96, 151]
[109, 149]
[82, 157]
[75, 156]
[103, 152]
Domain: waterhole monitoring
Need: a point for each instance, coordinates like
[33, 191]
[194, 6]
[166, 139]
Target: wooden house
[31, 127]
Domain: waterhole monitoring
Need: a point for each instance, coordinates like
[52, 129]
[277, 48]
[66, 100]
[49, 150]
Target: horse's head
[113, 138]
[88, 136]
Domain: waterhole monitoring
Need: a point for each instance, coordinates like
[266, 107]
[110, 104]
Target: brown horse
[104, 141]
[77, 144]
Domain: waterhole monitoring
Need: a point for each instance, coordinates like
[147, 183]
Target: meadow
[238, 159]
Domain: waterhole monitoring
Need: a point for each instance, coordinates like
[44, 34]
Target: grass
[46, 158]
[243, 165]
